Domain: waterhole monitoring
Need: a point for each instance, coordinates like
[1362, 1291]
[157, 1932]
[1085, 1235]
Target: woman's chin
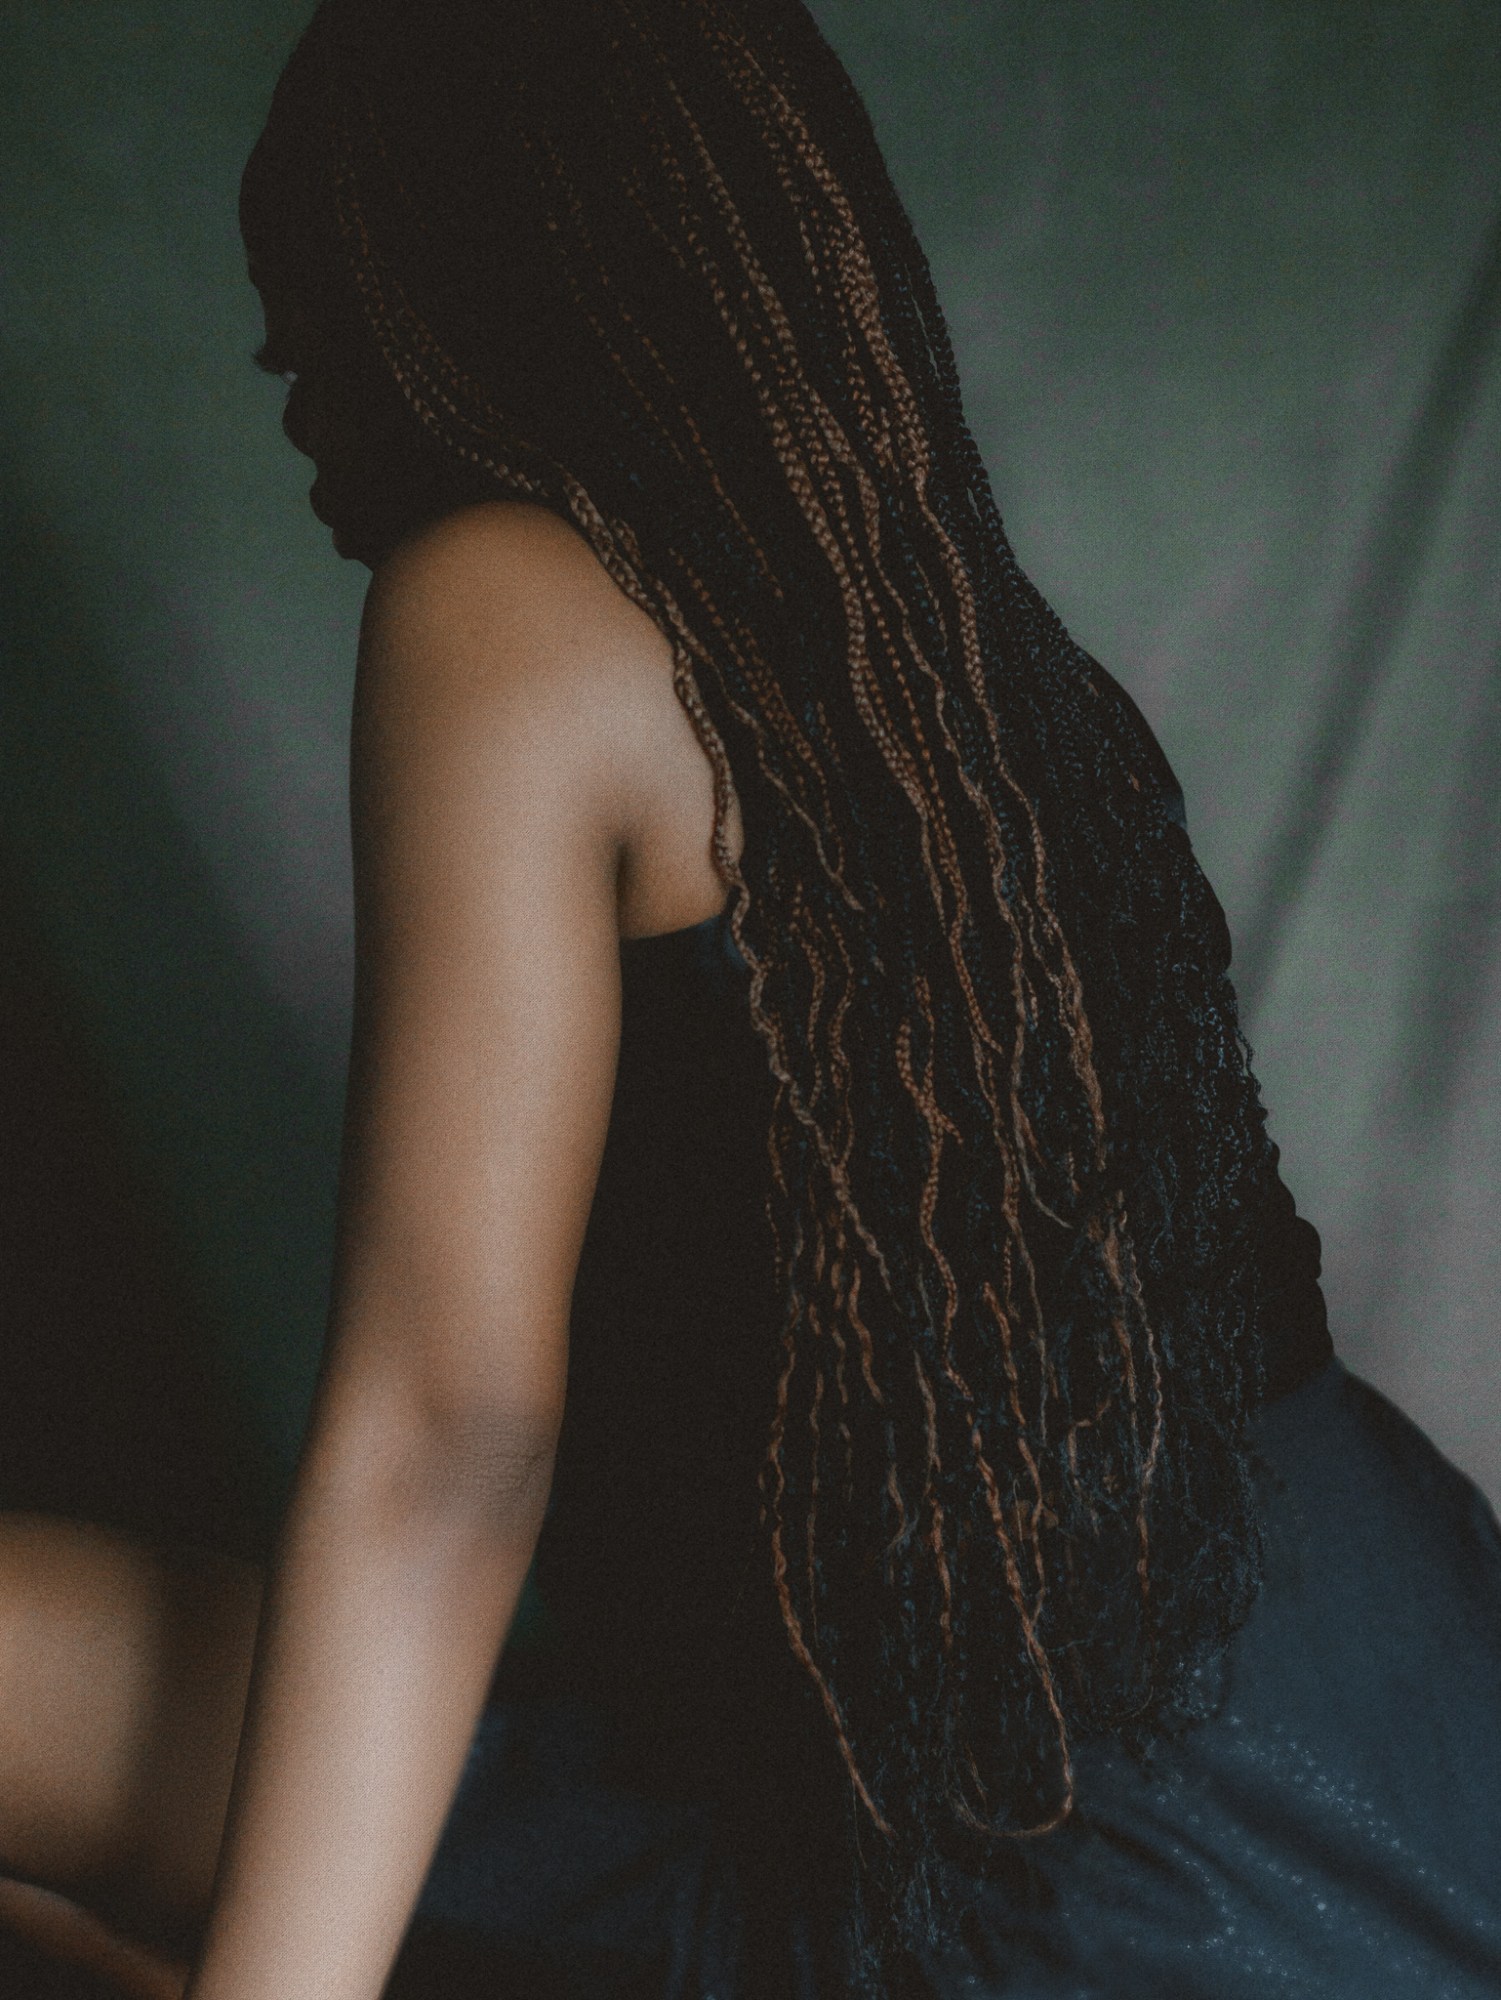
[348, 542]
[338, 534]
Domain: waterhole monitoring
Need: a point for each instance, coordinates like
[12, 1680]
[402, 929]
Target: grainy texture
[644, 265]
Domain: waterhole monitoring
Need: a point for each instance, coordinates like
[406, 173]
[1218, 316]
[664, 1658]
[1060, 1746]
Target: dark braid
[640, 261]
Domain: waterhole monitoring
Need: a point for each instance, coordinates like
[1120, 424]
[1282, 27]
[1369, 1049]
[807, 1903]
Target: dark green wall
[177, 663]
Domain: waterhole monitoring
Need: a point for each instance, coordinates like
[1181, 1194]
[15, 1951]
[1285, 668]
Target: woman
[804, 1182]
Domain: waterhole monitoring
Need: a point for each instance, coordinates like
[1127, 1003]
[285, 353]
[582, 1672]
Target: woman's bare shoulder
[512, 568]
[503, 607]
[501, 616]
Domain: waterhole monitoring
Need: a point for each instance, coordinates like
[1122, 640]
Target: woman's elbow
[410, 1460]
[492, 1462]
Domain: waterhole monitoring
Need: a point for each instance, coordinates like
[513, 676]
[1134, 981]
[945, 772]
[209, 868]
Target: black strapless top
[650, 1561]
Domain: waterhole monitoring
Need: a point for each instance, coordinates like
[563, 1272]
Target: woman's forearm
[402, 1561]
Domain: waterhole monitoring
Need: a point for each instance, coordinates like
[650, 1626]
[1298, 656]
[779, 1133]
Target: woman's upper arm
[487, 832]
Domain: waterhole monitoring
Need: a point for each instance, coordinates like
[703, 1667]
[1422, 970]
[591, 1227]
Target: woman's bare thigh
[123, 1671]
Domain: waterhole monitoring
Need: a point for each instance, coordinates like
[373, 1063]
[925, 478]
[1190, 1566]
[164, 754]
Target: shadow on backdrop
[115, 1399]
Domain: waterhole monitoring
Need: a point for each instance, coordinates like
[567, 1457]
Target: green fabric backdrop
[1223, 277]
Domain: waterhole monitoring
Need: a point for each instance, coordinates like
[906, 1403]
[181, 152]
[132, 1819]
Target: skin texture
[490, 818]
[122, 1688]
[526, 790]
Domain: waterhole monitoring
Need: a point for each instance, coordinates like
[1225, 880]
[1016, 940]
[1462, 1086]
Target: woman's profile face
[317, 419]
[377, 476]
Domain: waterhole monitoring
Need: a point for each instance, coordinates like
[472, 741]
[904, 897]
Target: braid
[640, 261]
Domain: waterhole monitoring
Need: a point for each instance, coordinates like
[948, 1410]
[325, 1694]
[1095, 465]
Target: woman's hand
[490, 815]
[64, 1930]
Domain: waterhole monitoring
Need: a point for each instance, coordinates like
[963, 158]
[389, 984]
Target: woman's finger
[64, 1930]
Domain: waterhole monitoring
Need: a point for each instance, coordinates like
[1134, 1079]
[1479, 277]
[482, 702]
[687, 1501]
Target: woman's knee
[122, 1684]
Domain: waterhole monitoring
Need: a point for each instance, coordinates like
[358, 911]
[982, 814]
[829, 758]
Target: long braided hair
[640, 261]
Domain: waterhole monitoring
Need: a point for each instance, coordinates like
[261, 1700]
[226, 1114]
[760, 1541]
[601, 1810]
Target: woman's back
[652, 1555]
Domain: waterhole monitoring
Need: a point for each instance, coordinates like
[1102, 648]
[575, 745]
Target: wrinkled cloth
[1331, 1829]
